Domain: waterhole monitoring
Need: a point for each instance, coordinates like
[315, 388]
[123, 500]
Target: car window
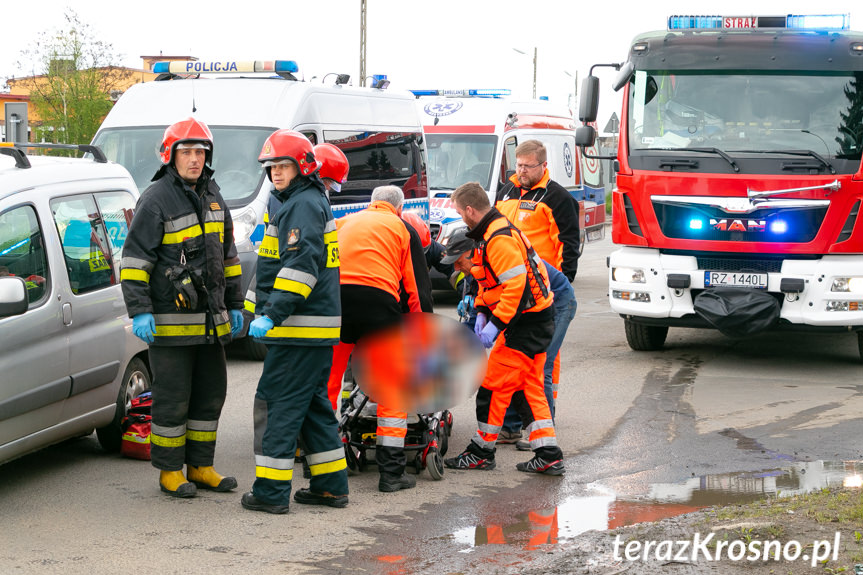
[116, 209]
[22, 252]
[86, 248]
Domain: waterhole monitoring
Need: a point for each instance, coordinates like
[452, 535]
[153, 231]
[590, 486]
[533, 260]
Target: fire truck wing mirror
[585, 136]
[588, 105]
[623, 76]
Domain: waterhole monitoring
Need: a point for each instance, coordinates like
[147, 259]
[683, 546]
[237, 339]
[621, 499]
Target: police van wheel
[136, 380]
[642, 337]
[254, 349]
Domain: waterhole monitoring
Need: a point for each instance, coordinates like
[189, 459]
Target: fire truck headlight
[847, 285]
[628, 275]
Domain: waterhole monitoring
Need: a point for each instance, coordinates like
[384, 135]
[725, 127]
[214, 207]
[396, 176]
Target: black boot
[389, 483]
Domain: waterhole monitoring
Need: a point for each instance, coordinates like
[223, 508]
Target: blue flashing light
[287, 66]
[696, 224]
[161, 67]
[778, 227]
[819, 22]
[694, 22]
[494, 93]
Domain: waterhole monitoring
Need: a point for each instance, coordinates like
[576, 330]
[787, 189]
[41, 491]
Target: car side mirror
[13, 296]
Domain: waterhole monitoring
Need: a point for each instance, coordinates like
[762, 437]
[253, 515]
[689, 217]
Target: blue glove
[260, 326]
[144, 326]
[481, 320]
[236, 321]
[464, 306]
[488, 334]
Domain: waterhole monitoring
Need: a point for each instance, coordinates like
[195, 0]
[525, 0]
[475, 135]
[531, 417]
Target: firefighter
[376, 266]
[548, 216]
[334, 166]
[297, 301]
[514, 299]
[180, 277]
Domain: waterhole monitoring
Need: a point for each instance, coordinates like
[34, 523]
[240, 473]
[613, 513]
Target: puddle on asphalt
[604, 510]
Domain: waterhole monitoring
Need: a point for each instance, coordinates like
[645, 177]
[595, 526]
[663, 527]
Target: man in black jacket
[180, 276]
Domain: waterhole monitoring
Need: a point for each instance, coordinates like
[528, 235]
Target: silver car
[69, 362]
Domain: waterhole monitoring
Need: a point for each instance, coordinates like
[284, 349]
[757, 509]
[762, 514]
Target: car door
[34, 356]
[92, 228]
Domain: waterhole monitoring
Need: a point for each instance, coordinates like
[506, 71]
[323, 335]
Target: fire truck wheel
[642, 337]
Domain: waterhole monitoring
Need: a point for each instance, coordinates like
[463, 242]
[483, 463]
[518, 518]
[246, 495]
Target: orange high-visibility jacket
[374, 249]
[548, 216]
[512, 278]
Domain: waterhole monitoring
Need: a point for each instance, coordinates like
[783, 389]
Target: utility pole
[534, 72]
[362, 42]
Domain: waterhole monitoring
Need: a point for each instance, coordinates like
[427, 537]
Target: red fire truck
[739, 180]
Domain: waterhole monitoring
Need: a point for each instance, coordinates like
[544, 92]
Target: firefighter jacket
[298, 268]
[188, 231]
[512, 279]
[375, 250]
[548, 216]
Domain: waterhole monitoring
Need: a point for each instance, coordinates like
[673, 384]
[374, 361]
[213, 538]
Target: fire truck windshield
[455, 159]
[747, 111]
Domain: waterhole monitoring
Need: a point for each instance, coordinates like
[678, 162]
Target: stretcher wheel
[442, 438]
[434, 463]
[351, 459]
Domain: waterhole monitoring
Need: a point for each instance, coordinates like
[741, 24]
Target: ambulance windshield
[235, 158]
[455, 159]
[752, 111]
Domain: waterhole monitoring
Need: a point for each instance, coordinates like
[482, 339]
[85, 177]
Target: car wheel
[136, 380]
[642, 337]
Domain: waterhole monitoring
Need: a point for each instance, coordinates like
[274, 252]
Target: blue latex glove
[488, 334]
[481, 320]
[260, 326]
[464, 306]
[144, 326]
[236, 321]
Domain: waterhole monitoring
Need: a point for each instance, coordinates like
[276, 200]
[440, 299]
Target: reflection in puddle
[606, 511]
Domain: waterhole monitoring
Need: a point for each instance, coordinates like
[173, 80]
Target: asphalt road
[639, 430]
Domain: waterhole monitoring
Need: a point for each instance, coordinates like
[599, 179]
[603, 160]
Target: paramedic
[180, 277]
[514, 299]
[376, 264]
[298, 309]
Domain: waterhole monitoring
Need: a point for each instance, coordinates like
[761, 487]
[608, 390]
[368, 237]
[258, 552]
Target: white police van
[378, 130]
[471, 135]
[69, 362]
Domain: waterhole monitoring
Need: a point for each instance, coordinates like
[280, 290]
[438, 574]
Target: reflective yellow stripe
[132, 274]
[331, 237]
[170, 330]
[201, 435]
[269, 247]
[167, 441]
[178, 237]
[305, 332]
[331, 467]
[214, 227]
[277, 474]
[233, 271]
[333, 260]
[249, 306]
[292, 286]
[223, 329]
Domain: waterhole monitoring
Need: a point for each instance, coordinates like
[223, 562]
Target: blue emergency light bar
[226, 67]
[821, 22]
[481, 93]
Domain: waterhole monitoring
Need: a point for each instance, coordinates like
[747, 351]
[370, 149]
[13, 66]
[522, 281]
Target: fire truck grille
[721, 264]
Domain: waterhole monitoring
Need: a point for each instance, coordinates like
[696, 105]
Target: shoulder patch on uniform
[214, 206]
[293, 236]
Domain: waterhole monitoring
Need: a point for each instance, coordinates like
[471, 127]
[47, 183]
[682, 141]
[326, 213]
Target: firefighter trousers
[189, 387]
[513, 376]
[291, 400]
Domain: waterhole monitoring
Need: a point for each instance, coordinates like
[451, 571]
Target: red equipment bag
[136, 428]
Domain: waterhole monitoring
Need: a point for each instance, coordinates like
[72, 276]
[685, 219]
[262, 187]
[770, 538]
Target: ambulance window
[22, 253]
[86, 248]
[507, 167]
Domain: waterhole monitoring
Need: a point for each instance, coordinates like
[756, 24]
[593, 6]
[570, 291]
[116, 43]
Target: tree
[851, 129]
[72, 80]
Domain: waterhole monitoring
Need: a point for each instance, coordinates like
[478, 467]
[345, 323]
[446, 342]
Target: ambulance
[471, 135]
[243, 103]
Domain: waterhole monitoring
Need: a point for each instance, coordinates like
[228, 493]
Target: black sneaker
[540, 465]
[469, 460]
[250, 502]
[309, 497]
[389, 483]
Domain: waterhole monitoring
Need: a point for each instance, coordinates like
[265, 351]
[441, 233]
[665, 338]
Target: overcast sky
[417, 43]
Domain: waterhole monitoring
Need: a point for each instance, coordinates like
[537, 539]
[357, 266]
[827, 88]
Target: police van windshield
[455, 159]
[235, 157]
[749, 111]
